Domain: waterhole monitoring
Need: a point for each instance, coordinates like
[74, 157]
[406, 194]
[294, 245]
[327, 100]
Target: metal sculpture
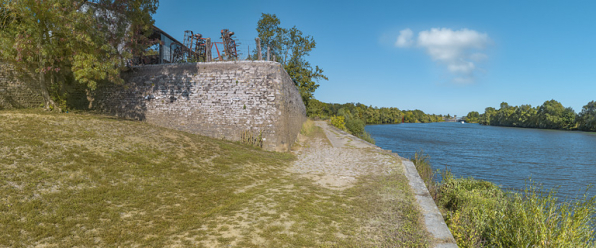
[229, 45]
[193, 48]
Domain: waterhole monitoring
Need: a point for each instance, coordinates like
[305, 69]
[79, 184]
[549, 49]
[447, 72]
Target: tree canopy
[291, 47]
[550, 115]
[81, 40]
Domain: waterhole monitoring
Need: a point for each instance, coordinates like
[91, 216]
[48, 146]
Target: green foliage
[366, 136]
[587, 117]
[290, 48]
[355, 125]
[369, 114]
[339, 122]
[550, 115]
[60, 40]
[358, 115]
[480, 214]
[473, 117]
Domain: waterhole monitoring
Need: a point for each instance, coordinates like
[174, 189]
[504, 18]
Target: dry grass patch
[89, 180]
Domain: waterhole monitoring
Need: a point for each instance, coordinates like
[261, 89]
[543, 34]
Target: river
[506, 156]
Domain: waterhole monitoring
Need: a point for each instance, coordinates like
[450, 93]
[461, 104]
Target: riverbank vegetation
[370, 114]
[480, 214]
[550, 115]
[352, 117]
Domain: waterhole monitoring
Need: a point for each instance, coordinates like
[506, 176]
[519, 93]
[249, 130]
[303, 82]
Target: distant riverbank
[550, 115]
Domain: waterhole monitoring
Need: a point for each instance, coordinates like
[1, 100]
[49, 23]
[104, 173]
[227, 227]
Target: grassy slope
[88, 180]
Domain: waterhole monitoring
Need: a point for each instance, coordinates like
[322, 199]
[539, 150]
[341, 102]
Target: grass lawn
[92, 180]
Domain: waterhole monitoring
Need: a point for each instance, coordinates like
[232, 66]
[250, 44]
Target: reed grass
[481, 214]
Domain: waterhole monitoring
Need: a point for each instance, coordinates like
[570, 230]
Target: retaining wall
[219, 99]
[18, 90]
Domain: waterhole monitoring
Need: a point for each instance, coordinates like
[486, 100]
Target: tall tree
[472, 117]
[83, 40]
[291, 47]
[587, 117]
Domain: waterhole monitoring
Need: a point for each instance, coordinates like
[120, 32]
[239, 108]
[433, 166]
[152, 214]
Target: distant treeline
[352, 117]
[550, 115]
[369, 114]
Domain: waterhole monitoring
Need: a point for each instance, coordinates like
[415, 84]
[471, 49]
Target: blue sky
[458, 56]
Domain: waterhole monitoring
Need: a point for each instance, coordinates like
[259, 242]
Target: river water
[507, 156]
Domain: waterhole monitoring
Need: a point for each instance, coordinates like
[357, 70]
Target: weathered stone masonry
[219, 100]
[18, 92]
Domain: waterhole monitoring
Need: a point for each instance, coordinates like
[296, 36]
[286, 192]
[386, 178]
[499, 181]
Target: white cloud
[458, 50]
[405, 38]
[464, 67]
[478, 57]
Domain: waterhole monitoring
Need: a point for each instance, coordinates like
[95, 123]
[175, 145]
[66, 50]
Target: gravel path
[338, 165]
[342, 139]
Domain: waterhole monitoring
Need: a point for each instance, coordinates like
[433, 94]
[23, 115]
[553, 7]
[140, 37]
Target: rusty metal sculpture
[229, 44]
[194, 48]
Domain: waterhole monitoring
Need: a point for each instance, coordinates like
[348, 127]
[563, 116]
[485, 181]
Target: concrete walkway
[435, 224]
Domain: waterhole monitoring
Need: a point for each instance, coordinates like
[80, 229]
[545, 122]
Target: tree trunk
[49, 104]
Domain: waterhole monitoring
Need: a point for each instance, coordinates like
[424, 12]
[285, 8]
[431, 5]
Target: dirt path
[337, 165]
[341, 139]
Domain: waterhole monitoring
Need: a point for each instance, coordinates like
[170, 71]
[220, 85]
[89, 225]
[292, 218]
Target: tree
[587, 117]
[78, 40]
[489, 113]
[552, 114]
[472, 117]
[291, 48]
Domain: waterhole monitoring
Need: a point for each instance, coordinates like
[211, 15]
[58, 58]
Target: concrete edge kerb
[433, 219]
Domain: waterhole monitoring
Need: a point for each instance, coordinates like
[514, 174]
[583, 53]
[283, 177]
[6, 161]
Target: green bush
[355, 126]
[366, 136]
[339, 122]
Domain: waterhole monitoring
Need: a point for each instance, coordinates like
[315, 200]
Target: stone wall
[18, 90]
[219, 99]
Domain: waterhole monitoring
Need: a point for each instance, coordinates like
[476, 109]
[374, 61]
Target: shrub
[339, 122]
[355, 126]
[366, 136]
